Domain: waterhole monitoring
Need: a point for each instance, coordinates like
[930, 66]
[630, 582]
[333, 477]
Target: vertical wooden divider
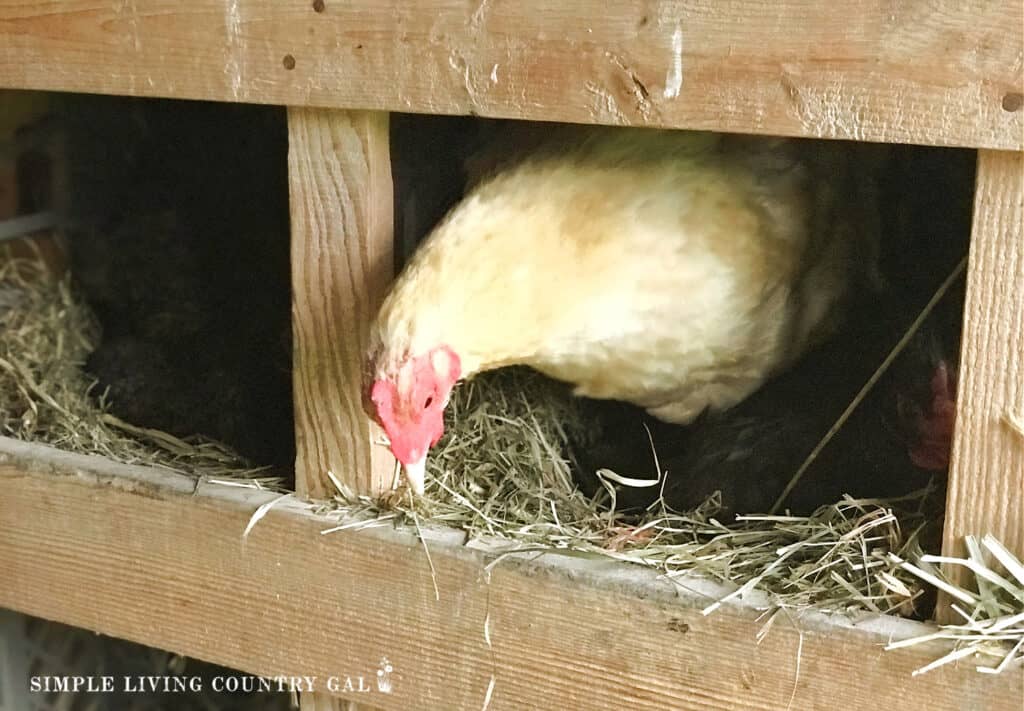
[986, 482]
[339, 165]
[342, 252]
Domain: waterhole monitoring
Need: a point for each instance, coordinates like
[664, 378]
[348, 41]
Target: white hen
[675, 270]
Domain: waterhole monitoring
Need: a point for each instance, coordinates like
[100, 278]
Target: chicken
[897, 441]
[677, 271]
[178, 228]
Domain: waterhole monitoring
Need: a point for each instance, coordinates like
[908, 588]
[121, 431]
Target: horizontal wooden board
[114, 550]
[942, 72]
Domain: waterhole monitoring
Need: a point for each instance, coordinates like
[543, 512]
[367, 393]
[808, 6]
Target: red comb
[935, 427]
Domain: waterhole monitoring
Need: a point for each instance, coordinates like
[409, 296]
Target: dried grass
[500, 475]
[991, 609]
[46, 397]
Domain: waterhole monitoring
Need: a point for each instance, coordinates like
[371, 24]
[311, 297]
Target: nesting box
[158, 558]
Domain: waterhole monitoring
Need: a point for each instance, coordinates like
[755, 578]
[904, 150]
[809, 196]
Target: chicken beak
[415, 474]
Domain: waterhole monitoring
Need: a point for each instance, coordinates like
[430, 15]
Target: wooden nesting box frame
[159, 558]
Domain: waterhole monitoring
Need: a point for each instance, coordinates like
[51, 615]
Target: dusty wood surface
[169, 569]
[986, 486]
[342, 260]
[944, 72]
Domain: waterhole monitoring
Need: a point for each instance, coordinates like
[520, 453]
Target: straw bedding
[504, 474]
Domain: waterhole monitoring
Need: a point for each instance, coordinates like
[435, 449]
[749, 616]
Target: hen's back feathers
[674, 270]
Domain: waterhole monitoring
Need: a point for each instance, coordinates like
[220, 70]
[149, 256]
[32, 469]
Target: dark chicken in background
[897, 440]
[179, 242]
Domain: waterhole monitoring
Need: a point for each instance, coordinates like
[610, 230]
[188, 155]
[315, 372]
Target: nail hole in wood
[1013, 101]
[318, 5]
[289, 62]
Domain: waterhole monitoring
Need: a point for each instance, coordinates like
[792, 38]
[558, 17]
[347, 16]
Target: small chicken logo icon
[384, 676]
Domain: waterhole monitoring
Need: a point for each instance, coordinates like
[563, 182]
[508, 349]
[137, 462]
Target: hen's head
[407, 396]
[932, 421]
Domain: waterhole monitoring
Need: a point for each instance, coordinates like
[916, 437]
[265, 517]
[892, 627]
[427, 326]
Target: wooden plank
[341, 159]
[353, 176]
[170, 569]
[342, 261]
[942, 72]
[986, 484]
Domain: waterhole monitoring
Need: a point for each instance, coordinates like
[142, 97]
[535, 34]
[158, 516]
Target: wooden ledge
[945, 72]
[154, 558]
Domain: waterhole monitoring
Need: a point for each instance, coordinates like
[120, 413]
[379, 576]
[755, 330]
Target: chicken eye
[428, 401]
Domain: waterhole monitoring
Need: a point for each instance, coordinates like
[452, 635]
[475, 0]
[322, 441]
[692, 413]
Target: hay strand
[992, 627]
[914, 327]
[501, 474]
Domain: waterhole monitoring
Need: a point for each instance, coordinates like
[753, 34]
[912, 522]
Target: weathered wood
[326, 702]
[943, 72]
[86, 544]
[342, 261]
[340, 182]
[986, 484]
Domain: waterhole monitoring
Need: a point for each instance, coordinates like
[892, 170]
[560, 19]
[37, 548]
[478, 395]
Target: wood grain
[944, 72]
[354, 174]
[342, 261]
[986, 485]
[169, 568]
